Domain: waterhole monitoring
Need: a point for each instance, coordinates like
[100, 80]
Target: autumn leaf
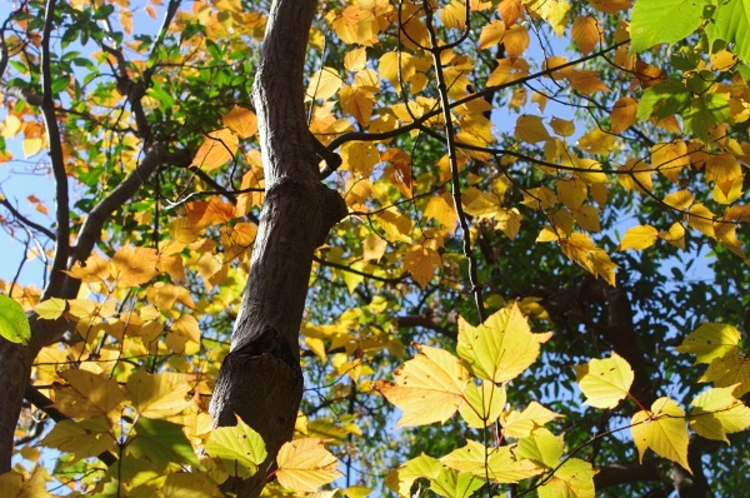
[639, 238]
[491, 34]
[605, 382]
[401, 479]
[240, 448]
[132, 266]
[243, 122]
[51, 309]
[575, 478]
[162, 443]
[717, 412]
[733, 368]
[85, 438]
[158, 395]
[304, 465]
[499, 463]
[663, 430]
[88, 394]
[482, 405]
[710, 341]
[523, 424]
[428, 388]
[421, 262]
[217, 149]
[502, 347]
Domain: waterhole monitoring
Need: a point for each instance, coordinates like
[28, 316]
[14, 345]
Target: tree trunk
[261, 380]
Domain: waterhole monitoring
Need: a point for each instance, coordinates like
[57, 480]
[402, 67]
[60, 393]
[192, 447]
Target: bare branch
[25, 221]
[62, 208]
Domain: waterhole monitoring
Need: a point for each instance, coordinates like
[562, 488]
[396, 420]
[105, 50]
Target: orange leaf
[623, 114]
[585, 33]
[132, 266]
[422, 262]
[242, 121]
[217, 149]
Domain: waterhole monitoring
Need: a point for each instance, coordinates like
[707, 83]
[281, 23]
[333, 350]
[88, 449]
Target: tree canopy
[442, 248]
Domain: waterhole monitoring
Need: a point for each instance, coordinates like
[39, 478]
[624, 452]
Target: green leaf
[162, 443]
[730, 23]
[663, 100]
[710, 110]
[14, 325]
[240, 448]
[660, 21]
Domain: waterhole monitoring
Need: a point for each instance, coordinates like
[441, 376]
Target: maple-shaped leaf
[88, 394]
[428, 388]
[14, 324]
[502, 347]
[605, 382]
[574, 479]
[482, 405]
[710, 341]
[217, 149]
[87, 438]
[454, 484]
[401, 479]
[305, 464]
[13, 484]
[498, 463]
[132, 266]
[523, 424]
[639, 237]
[240, 448]
[162, 443]
[663, 430]
[731, 369]
[717, 412]
[241, 121]
[158, 395]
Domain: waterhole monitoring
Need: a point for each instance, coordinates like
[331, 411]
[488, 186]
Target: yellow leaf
[323, 84]
[572, 193]
[216, 150]
[731, 369]
[709, 341]
[87, 438]
[729, 191]
[552, 11]
[241, 121]
[88, 395]
[586, 35]
[597, 141]
[623, 114]
[675, 235]
[94, 269]
[716, 413]
[164, 296]
[50, 309]
[636, 175]
[32, 146]
[401, 479]
[610, 6]
[543, 447]
[396, 226]
[726, 234]
[360, 158]
[133, 266]
[358, 103]
[670, 158]
[531, 129]
[159, 395]
[428, 388]
[491, 34]
[388, 67]
[356, 26]
[373, 247]
[453, 15]
[605, 382]
[240, 448]
[440, 207]
[355, 60]
[663, 430]
[187, 326]
[580, 248]
[638, 238]
[574, 479]
[563, 127]
[13, 485]
[516, 40]
[304, 465]
[421, 262]
[722, 168]
[499, 463]
[482, 405]
[682, 199]
[502, 347]
[523, 424]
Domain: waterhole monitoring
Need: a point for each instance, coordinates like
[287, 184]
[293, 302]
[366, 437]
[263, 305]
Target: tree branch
[23, 219]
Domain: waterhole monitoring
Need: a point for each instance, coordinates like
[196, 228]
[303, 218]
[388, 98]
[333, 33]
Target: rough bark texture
[260, 380]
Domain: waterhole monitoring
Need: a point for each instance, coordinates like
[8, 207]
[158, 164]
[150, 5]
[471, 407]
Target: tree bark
[261, 380]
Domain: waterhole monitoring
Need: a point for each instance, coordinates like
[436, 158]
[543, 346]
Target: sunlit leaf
[639, 237]
[717, 412]
[240, 448]
[499, 463]
[14, 324]
[158, 395]
[605, 382]
[663, 430]
[305, 464]
[710, 341]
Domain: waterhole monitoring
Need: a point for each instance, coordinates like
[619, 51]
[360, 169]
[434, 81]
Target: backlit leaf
[605, 382]
[240, 448]
[659, 21]
[502, 347]
[305, 464]
[710, 341]
[482, 405]
[162, 443]
[491, 34]
[499, 463]
[717, 412]
[132, 266]
[639, 237]
[523, 424]
[218, 148]
[663, 430]
[159, 395]
[14, 325]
